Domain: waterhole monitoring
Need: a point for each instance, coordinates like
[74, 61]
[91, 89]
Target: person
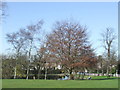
[66, 77]
[89, 78]
[34, 77]
[72, 77]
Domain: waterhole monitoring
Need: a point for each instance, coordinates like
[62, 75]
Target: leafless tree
[69, 45]
[17, 44]
[3, 7]
[32, 30]
[23, 42]
[108, 40]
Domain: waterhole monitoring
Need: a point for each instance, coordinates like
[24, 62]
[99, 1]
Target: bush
[51, 76]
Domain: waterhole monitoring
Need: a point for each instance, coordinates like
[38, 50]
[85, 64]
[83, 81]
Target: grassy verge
[22, 83]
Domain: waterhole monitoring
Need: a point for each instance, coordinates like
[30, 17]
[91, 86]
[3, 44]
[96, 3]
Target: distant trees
[66, 46]
[7, 66]
[101, 64]
[43, 60]
[118, 67]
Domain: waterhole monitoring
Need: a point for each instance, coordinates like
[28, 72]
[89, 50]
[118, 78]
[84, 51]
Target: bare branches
[108, 38]
[69, 45]
[3, 7]
[23, 41]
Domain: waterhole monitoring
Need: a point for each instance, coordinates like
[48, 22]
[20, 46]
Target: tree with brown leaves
[68, 43]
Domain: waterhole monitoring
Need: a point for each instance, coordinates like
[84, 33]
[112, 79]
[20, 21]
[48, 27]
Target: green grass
[22, 83]
[102, 77]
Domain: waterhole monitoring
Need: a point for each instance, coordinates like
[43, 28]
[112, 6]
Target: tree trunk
[108, 59]
[45, 73]
[107, 72]
[79, 76]
[83, 74]
[97, 72]
[39, 73]
[71, 75]
[102, 72]
[15, 73]
[27, 73]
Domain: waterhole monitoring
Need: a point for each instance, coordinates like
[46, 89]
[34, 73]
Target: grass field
[22, 83]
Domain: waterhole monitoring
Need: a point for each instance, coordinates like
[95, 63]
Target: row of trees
[66, 46]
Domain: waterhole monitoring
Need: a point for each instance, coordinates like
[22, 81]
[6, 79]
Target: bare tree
[69, 45]
[3, 6]
[17, 44]
[45, 59]
[23, 42]
[108, 40]
[39, 61]
[32, 30]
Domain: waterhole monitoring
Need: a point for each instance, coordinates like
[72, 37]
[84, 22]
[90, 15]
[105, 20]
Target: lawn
[22, 83]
